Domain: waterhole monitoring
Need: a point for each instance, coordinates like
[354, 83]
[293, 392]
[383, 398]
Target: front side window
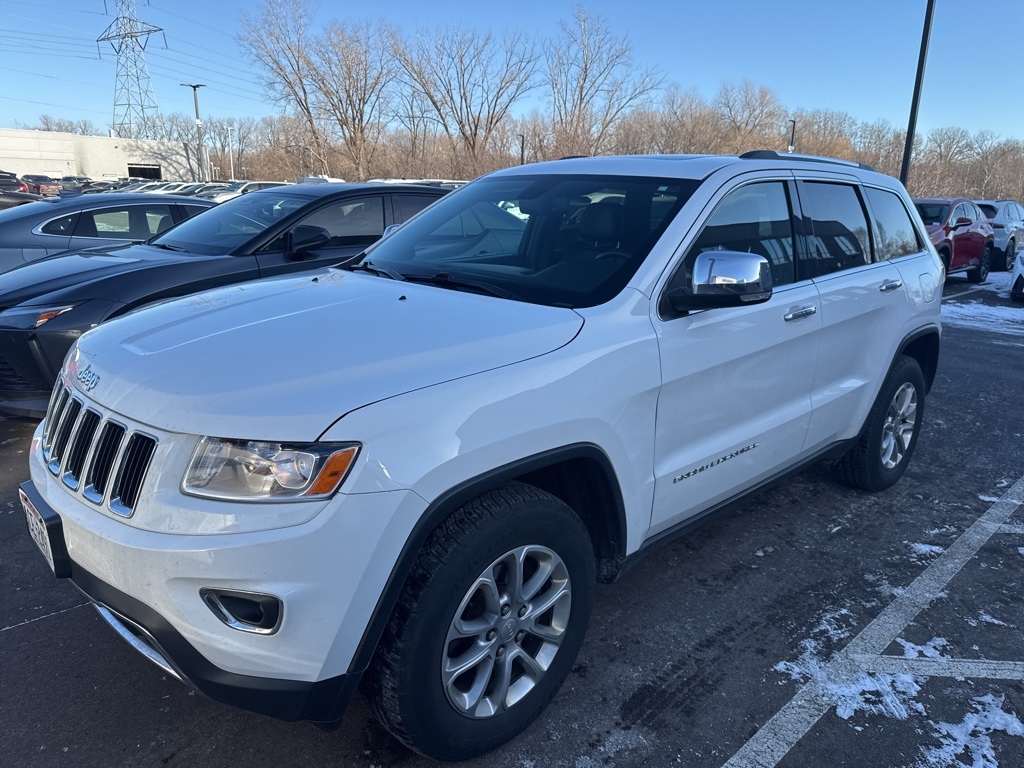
[839, 229]
[561, 240]
[752, 219]
[896, 233]
[350, 222]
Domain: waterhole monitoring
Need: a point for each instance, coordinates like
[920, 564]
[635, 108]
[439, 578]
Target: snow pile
[852, 690]
[924, 550]
[1001, 319]
[971, 737]
[931, 650]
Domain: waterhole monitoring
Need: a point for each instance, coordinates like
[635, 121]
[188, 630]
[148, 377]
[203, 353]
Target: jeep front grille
[94, 454]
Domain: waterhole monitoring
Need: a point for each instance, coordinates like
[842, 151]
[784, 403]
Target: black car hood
[80, 269]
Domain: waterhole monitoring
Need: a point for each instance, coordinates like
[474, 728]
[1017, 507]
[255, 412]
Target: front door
[735, 399]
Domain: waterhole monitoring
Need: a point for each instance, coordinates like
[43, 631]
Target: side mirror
[304, 238]
[389, 229]
[963, 221]
[724, 279]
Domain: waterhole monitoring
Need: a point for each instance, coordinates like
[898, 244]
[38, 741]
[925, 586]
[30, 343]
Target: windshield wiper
[445, 280]
[166, 247]
[373, 269]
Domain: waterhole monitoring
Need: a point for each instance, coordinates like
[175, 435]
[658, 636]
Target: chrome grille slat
[93, 454]
[79, 448]
[62, 435]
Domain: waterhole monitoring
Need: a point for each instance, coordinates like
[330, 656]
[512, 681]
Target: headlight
[252, 470]
[32, 317]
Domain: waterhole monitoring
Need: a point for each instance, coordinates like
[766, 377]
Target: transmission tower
[133, 95]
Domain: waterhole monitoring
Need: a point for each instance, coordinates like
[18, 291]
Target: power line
[50, 104]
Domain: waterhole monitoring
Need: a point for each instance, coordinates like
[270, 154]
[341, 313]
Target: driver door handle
[796, 314]
[890, 285]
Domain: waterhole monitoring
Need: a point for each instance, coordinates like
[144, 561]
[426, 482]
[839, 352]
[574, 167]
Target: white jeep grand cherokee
[409, 471]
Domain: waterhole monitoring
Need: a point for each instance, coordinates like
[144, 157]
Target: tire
[980, 273]
[944, 255]
[1011, 254]
[881, 454]
[456, 715]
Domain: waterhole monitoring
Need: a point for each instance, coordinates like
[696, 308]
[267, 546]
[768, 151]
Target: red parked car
[41, 185]
[961, 234]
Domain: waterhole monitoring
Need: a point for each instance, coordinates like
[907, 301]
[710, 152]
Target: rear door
[735, 401]
[121, 223]
[862, 303]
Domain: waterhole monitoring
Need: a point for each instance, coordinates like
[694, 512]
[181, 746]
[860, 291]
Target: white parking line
[781, 733]
[962, 668]
[40, 618]
[965, 292]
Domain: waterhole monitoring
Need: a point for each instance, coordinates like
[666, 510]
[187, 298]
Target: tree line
[363, 99]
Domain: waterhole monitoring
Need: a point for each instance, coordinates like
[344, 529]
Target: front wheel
[980, 273]
[488, 624]
[882, 452]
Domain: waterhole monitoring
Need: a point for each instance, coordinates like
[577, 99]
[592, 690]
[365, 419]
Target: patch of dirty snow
[1021, 550]
[831, 626]
[973, 314]
[882, 585]
[924, 550]
[853, 690]
[971, 738]
[988, 619]
[930, 650]
[989, 499]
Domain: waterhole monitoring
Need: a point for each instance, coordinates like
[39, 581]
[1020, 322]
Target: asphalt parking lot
[813, 626]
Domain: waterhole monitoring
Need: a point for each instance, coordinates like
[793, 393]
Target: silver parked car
[1007, 219]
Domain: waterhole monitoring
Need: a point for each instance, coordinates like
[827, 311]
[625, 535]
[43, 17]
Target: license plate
[37, 528]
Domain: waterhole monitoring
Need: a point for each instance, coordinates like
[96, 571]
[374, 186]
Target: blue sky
[857, 56]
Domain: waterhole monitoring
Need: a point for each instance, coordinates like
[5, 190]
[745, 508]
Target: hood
[282, 359]
[32, 282]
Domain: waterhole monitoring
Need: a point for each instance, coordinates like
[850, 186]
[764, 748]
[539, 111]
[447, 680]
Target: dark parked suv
[46, 305]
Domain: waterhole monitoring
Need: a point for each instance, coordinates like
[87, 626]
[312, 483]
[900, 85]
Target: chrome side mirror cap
[724, 279]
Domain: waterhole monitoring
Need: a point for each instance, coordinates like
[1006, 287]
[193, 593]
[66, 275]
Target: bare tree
[469, 80]
[278, 37]
[750, 115]
[353, 72]
[64, 125]
[594, 82]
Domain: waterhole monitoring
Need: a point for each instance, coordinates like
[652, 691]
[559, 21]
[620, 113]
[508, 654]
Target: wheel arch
[923, 346]
[580, 475]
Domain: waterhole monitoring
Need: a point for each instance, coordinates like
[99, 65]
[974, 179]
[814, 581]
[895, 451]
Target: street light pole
[918, 82]
[231, 151]
[792, 136]
[199, 127]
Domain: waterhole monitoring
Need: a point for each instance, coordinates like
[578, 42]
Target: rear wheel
[487, 627]
[1011, 253]
[980, 273]
[882, 452]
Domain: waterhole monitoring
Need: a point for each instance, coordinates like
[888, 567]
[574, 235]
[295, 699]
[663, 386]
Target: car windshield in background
[234, 187]
[221, 229]
[572, 241]
[932, 213]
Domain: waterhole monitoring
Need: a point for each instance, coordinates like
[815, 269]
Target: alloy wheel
[900, 422]
[506, 631]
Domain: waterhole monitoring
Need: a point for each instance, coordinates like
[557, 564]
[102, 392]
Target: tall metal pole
[792, 136]
[918, 83]
[231, 151]
[199, 128]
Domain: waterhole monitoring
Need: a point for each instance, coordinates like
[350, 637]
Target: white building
[67, 154]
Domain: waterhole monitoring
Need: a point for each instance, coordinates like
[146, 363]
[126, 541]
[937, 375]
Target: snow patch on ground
[924, 550]
[931, 650]
[1020, 550]
[853, 690]
[988, 619]
[989, 499]
[978, 316]
[971, 737]
[882, 585]
[831, 627]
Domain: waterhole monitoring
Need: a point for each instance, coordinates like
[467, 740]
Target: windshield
[233, 187]
[932, 213]
[223, 228]
[571, 241]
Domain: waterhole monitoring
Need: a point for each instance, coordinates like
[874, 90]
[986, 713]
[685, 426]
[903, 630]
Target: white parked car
[408, 472]
[236, 188]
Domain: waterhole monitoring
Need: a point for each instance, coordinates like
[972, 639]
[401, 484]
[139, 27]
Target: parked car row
[48, 300]
[974, 237]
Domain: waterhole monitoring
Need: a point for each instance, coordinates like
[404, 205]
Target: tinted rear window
[897, 235]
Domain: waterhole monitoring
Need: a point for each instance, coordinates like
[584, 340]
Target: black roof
[331, 188]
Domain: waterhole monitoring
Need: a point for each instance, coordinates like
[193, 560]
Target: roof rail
[771, 154]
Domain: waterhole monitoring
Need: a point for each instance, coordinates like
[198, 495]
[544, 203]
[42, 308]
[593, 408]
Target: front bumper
[157, 639]
[29, 362]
